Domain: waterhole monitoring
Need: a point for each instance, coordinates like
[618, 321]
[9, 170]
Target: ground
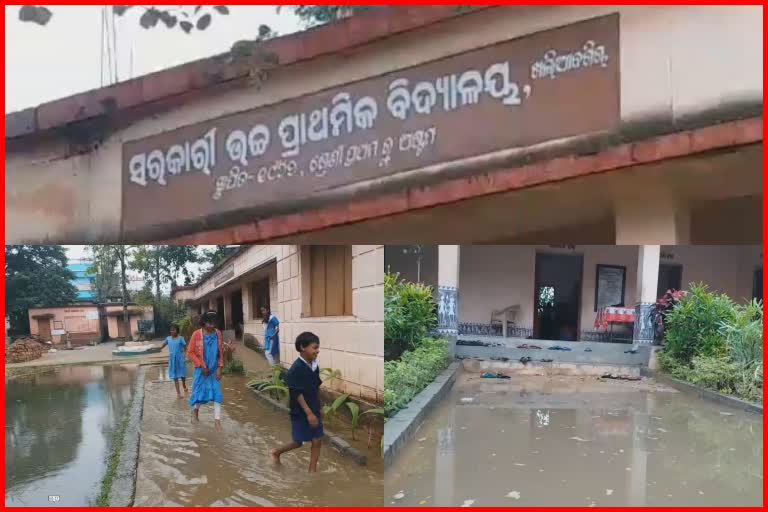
[187, 464]
[578, 441]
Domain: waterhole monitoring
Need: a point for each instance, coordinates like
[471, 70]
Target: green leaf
[204, 22]
[221, 9]
[170, 21]
[121, 9]
[339, 400]
[150, 18]
[35, 14]
[186, 26]
[373, 411]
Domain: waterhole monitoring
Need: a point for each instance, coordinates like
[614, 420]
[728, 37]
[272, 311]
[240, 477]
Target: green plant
[275, 385]
[693, 325]
[377, 412]
[234, 366]
[409, 315]
[329, 375]
[329, 411]
[354, 410]
[405, 378]
[743, 333]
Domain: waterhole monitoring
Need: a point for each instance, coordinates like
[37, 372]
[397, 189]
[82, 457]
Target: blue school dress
[271, 338]
[304, 380]
[177, 368]
[207, 389]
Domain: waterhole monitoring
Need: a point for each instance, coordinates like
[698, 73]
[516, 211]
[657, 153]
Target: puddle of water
[57, 433]
[561, 442]
[181, 464]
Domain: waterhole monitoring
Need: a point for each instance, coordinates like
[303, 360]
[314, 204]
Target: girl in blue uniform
[271, 335]
[205, 352]
[177, 368]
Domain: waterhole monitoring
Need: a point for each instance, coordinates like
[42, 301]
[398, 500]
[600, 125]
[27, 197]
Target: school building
[582, 124]
[335, 291]
[586, 293]
[84, 323]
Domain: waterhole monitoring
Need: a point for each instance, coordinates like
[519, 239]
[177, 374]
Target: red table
[609, 315]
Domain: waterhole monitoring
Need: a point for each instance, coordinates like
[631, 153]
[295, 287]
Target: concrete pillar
[657, 219]
[448, 293]
[647, 284]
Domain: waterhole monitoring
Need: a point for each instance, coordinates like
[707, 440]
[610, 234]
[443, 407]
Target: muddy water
[573, 442]
[58, 428]
[184, 464]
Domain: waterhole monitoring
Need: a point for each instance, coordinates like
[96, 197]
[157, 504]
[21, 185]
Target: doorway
[757, 285]
[121, 327]
[44, 328]
[670, 278]
[557, 297]
[236, 312]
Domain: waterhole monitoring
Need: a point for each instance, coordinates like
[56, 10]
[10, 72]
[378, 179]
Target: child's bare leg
[217, 415]
[285, 448]
[178, 391]
[196, 413]
[184, 384]
[314, 455]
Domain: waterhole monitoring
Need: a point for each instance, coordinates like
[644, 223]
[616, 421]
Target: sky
[44, 63]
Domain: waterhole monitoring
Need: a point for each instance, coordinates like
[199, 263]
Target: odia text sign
[544, 86]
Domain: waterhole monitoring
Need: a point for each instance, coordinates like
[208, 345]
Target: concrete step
[580, 352]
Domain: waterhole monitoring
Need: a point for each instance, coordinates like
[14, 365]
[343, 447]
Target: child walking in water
[303, 379]
[205, 352]
[271, 335]
[177, 367]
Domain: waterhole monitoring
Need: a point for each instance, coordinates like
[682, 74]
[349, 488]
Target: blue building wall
[82, 280]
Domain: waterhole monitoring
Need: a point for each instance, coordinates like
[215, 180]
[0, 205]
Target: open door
[557, 297]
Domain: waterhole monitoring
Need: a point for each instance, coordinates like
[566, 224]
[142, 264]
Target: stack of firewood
[25, 349]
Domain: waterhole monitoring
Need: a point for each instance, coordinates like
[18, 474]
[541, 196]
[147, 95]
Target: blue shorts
[302, 431]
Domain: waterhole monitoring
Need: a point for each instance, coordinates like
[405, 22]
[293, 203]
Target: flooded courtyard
[568, 441]
[181, 464]
[58, 430]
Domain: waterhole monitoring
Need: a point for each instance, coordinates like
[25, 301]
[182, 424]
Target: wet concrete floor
[58, 428]
[570, 441]
[184, 465]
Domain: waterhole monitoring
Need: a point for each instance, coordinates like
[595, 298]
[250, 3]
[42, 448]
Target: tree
[191, 18]
[164, 264]
[105, 272]
[121, 254]
[187, 18]
[35, 275]
[212, 257]
[319, 14]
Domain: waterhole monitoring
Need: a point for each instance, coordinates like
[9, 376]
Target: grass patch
[113, 459]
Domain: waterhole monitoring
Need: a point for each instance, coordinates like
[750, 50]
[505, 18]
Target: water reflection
[579, 445]
[58, 426]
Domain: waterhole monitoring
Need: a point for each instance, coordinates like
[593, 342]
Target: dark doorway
[220, 313]
[44, 328]
[236, 312]
[757, 286]
[670, 278]
[557, 299]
